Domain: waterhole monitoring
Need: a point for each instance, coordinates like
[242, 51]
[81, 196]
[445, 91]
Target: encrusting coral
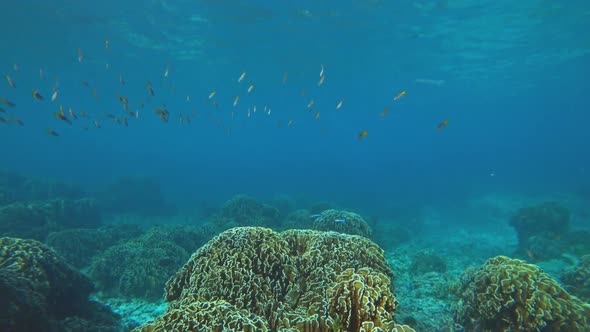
[297, 280]
[342, 222]
[511, 295]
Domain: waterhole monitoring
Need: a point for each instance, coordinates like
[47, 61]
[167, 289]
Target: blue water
[511, 78]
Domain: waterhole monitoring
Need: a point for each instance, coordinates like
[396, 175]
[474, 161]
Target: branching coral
[343, 222]
[512, 295]
[292, 281]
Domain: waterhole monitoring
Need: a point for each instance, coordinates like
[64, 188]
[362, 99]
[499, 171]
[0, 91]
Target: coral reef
[36, 220]
[298, 219]
[549, 219]
[140, 267]
[342, 222]
[42, 292]
[134, 195]
[577, 279]
[511, 295]
[188, 237]
[252, 278]
[137, 268]
[77, 246]
[17, 188]
[216, 315]
[242, 210]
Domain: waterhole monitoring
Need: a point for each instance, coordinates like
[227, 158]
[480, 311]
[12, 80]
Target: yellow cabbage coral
[298, 280]
[511, 295]
[215, 316]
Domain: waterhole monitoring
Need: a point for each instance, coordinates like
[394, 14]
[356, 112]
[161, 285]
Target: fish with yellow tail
[52, 132]
[363, 134]
[442, 125]
[242, 76]
[150, 89]
[37, 95]
[7, 102]
[10, 81]
[399, 95]
[62, 117]
[80, 55]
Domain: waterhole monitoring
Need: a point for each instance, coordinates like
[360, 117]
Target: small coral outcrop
[243, 210]
[15, 187]
[36, 220]
[511, 295]
[577, 279]
[40, 292]
[255, 279]
[140, 267]
[298, 219]
[549, 220]
[342, 222]
[78, 245]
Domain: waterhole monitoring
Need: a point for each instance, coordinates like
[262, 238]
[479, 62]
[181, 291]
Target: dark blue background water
[515, 92]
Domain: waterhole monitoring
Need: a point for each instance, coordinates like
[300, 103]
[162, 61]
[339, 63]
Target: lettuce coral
[511, 295]
[243, 210]
[141, 266]
[297, 280]
[41, 292]
[342, 222]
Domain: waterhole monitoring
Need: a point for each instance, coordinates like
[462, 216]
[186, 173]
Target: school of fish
[130, 111]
